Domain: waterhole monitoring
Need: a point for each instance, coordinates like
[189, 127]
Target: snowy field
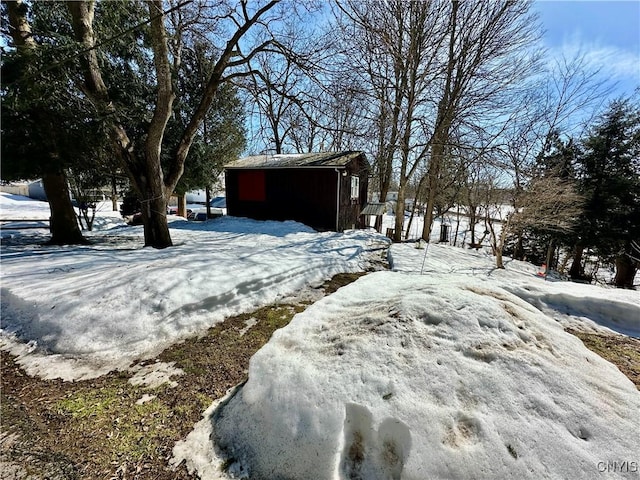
[78, 312]
[443, 367]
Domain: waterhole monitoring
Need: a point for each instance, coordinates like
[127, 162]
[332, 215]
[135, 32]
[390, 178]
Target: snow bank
[16, 207]
[406, 376]
[593, 306]
[78, 312]
[576, 305]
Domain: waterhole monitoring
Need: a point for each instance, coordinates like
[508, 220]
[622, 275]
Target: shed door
[251, 186]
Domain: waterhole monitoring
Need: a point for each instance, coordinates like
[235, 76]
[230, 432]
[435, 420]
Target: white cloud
[618, 64]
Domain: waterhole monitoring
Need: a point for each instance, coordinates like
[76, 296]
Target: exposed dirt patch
[340, 280]
[100, 428]
[107, 428]
[622, 351]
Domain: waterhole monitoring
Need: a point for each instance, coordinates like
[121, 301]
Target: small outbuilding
[326, 191]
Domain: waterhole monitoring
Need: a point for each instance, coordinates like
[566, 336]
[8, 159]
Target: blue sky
[607, 32]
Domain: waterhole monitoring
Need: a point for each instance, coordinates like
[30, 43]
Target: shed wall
[304, 195]
[349, 208]
[307, 195]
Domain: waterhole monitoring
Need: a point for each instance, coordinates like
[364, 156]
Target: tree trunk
[207, 192]
[154, 218]
[501, 242]
[408, 229]
[146, 172]
[626, 270]
[64, 225]
[550, 254]
[576, 272]
[433, 175]
[114, 194]
[397, 233]
[442, 127]
[182, 206]
[518, 251]
[384, 190]
[415, 203]
[497, 244]
[499, 261]
[385, 183]
[455, 236]
[473, 221]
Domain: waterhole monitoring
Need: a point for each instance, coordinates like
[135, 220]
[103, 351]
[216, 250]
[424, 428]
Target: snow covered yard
[462, 371]
[443, 367]
[90, 309]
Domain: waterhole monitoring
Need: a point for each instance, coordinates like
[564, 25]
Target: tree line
[578, 201]
[455, 103]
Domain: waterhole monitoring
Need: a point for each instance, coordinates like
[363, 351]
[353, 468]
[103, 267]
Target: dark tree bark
[551, 249]
[114, 194]
[486, 44]
[518, 252]
[144, 170]
[182, 206]
[63, 222]
[626, 270]
[576, 272]
[444, 119]
[153, 184]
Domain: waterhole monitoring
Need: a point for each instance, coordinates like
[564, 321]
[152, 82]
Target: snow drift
[399, 376]
[79, 312]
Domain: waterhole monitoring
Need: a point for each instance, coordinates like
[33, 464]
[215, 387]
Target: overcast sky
[607, 32]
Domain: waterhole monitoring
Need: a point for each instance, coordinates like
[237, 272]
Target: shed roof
[374, 209]
[296, 160]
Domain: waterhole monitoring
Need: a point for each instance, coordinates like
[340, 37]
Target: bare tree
[153, 182]
[551, 205]
[367, 54]
[274, 90]
[396, 46]
[474, 196]
[488, 55]
[494, 215]
[329, 119]
[430, 67]
[559, 101]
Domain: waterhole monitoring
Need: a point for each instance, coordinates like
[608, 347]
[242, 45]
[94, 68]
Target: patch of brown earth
[622, 351]
[107, 428]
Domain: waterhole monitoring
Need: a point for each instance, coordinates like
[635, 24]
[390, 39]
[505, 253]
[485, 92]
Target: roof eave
[296, 167]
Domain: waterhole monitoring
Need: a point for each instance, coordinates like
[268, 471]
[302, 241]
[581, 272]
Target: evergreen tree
[221, 137]
[609, 173]
[46, 126]
[558, 157]
[555, 182]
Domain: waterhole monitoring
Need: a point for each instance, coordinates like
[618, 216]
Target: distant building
[326, 191]
[27, 188]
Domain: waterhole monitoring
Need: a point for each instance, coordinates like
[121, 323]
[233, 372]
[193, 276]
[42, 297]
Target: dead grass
[622, 351]
[95, 429]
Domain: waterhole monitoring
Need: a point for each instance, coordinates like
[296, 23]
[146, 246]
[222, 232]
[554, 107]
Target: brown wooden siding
[306, 195]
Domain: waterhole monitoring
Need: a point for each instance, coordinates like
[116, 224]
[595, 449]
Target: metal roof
[296, 160]
[374, 209]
